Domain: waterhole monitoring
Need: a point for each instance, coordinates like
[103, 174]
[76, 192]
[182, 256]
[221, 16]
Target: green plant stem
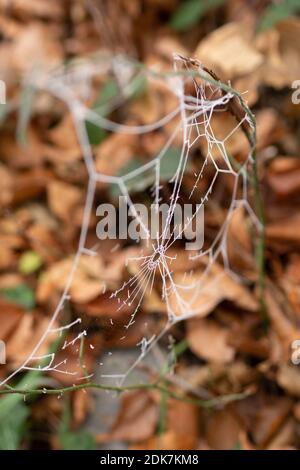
[260, 242]
[210, 403]
[260, 245]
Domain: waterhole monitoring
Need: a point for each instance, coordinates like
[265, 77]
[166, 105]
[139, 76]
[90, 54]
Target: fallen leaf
[283, 327]
[263, 416]
[208, 340]
[63, 199]
[10, 316]
[38, 8]
[64, 140]
[167, 441]
[137, 419]
[285, 229]
[269, 420]
[223, 430]
[280, 48]
[36, 47]
[234, 42]
[26, 336]
[288, 377]
[283, 177]
[86, 285]
[114, 153]
[81, 406]
[203, 294]
[183, 419]
[296, 411]
[284, 437]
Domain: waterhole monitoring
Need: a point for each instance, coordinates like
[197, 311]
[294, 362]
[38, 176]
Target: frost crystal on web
[193, 165]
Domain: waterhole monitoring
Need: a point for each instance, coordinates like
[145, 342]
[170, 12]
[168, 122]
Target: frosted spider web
[192, 125]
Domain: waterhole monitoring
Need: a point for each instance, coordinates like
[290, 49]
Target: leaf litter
[226, 348]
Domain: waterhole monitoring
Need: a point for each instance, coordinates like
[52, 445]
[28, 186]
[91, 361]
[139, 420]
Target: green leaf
[25, 111]
[29, 381]
[29, 262]
[190, 12]
[95, 133]
[169, 163]
[20, 294]
[168, 166]
[278, 12]
[80, 440]
[109, 91]
[237, 446]
[179, 348]
[13, 426]
[3, 112]
[138, 86]
[14, 412]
